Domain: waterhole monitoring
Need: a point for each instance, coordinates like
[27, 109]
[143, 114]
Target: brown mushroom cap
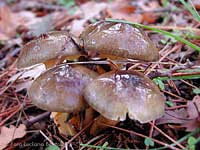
[118, 93]
[119, 39]
[60, 89]
[46, 47]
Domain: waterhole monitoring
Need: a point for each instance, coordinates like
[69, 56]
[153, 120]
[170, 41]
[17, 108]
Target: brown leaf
[192, 125]
[92, 9]
[8, 23]
[192, 110]
[60, 121]
[196, 101]
[150, 17]
[120, 9]
[196, 4]
[77, 26]
[178, 116]
[150, 6]
[9, 134]
[88, 11]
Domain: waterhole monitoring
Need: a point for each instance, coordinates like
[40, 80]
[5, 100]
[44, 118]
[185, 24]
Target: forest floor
[172, 25]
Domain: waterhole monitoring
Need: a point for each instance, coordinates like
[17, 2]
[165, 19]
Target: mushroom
[46, 48]
[118, 39]
[114, 94]
[60, 89]
[118, 93]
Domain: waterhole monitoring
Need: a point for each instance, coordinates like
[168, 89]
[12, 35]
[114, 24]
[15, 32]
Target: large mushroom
[117, 94]
[118, 39]
[47, 48]
[60, 89]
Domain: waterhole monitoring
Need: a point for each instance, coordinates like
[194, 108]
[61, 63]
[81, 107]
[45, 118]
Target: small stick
[51, 142]
[181, 146]
[162, 58]
[174, 95]
[11, 115]
[151, 131]
[176, 107]
[79, 133]
[30, 122]
[141, 135]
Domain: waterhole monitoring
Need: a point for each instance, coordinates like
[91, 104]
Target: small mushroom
[60, 89]
[46, 48]
[118, 39]
[117, 94]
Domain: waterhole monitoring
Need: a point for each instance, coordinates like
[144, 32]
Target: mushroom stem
[50, 63]
[89, 115]
[58, 60]
[98, 124]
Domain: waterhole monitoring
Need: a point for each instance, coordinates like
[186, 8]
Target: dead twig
[31, 121]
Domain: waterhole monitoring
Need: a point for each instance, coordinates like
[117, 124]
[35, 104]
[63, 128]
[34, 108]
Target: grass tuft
[190, 7]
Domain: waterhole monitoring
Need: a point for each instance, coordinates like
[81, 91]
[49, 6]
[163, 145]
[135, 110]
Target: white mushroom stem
[99, 122]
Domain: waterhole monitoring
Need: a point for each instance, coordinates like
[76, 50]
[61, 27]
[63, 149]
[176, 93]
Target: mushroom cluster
[73, 89]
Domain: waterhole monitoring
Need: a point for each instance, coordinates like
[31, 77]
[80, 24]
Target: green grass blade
[159, 148]
[191, 9]
[101, 147]
[159, 31]
[184, 77]
[181, 139]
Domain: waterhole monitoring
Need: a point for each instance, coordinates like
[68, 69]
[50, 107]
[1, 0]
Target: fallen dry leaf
[87, 11]
[92, 9]
[192, 125]
[187, 117]
[196, 4]
[77, 26]
[31, 72]
[9, 134]
[60, 121]
[193, 110]
[25, 78]
[120, 9]
[178, 116]
[196, 101]
[8, 23]
[150, 17]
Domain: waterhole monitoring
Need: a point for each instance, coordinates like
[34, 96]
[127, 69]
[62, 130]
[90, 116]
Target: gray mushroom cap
[48, 46]
[118, 39]
[118, 93]
[60, 89]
